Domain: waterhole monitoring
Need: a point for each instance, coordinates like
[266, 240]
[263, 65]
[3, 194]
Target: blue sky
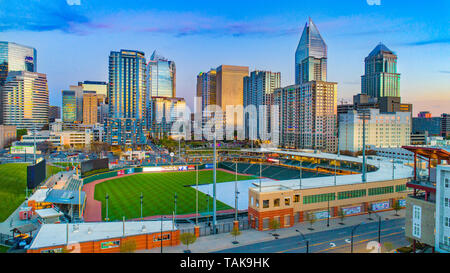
[74, 41]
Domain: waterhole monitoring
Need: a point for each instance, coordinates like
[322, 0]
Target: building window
[351, 194]
[399, 188]
[446, 203]
[265, 203]
[381, 190]
[447, 182]
[317, 198]
[296, 198]
[287, 201]
[447, 222]
[276, 202]
[257, 203]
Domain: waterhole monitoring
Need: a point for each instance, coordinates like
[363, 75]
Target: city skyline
[197, 38]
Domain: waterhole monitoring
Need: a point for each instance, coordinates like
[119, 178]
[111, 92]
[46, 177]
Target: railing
[207, 229]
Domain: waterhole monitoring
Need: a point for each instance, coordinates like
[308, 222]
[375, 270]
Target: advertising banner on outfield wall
[381, 206]
[152, 169]
[121, 172]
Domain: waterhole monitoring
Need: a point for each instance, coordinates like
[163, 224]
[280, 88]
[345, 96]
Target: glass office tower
[381, 78]
[311, 56]
[69, 105]
[161, 75]
[25, 100]
[15, 57]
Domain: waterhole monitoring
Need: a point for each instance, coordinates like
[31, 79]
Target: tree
[187, 239]
[397, 207]
[235, 232]
[45, 147]
[274, 224]
[20, 133]
[388, 246]
[128, 246]
[341, 215]
[311, 218]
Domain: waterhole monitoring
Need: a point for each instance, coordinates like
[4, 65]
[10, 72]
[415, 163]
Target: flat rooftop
[50, 235]
[383, 173]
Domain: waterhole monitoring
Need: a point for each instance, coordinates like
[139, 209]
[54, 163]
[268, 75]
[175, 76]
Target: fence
[5, 239]
[207, 229]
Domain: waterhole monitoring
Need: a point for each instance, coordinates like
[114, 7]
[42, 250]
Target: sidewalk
[222, 241]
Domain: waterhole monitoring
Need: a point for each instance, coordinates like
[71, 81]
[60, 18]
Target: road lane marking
[329, 241]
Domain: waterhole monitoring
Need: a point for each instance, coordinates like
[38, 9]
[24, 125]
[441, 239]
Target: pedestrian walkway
[223, 241]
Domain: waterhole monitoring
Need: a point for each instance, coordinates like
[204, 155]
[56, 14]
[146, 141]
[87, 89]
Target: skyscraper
[15, 57]
[311, 56]
[89, 107]
[100, 88]
[25, 100]
[127, 98]
[206, 87]
[163, 113]
[161, 75]
[258, 91]
[308, 109]
[380, 78]
[54, 112]
[69, 106]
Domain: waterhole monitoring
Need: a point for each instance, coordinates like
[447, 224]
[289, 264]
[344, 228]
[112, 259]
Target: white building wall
[442, 235]
[383, 130]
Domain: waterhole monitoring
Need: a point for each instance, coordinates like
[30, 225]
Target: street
[333, 241]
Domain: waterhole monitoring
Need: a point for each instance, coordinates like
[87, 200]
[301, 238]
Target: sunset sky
[73, 39]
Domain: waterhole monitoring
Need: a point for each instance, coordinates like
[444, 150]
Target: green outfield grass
[13, 180]
[3, 249]
[158, 190]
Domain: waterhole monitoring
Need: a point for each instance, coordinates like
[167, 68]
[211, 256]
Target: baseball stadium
[259, 186]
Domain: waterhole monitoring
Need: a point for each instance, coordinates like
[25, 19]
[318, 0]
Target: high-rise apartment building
[381, 78]
[310, 56]
[127, 98]
[69, 106]
[25, 100]
[308, 110]
[308, 115]
[161, 75]
[89, 107]
[258, 91]
[54, 112]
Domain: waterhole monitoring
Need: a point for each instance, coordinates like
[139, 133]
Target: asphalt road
[333, 241]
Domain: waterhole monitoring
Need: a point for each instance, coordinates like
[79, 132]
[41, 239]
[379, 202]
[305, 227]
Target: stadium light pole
[161, 238]
[328, 213]
[301, 173]
[260, 174]
[196, 195]
[235, 194]
[214, 185]
[335, 163]
[364, 115]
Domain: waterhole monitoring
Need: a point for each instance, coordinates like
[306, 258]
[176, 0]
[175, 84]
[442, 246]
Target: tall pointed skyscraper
[311, 56]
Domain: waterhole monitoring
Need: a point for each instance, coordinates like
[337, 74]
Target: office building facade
[310, 56]
[54, 113]
[163, 113]
[69, 106]
[258, 91]
[90, 110]
[381, 78]
[25, 100]
[161, 77]
[383, 130]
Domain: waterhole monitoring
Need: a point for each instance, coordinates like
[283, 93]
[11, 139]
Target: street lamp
[353, 231]
[328, 214]
[235, 195]
[175, 203]
[379, 228]
[107, 198]
[304, 239]
[364, 115]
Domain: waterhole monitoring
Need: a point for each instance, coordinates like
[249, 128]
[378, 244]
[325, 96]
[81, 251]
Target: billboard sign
[321, 215]
[110, 244]
[152, 169]
[121, 172]
[352, 210]
[381, 206]
[209, 166]
[129, 171]
[183, 168]
[36, 174]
